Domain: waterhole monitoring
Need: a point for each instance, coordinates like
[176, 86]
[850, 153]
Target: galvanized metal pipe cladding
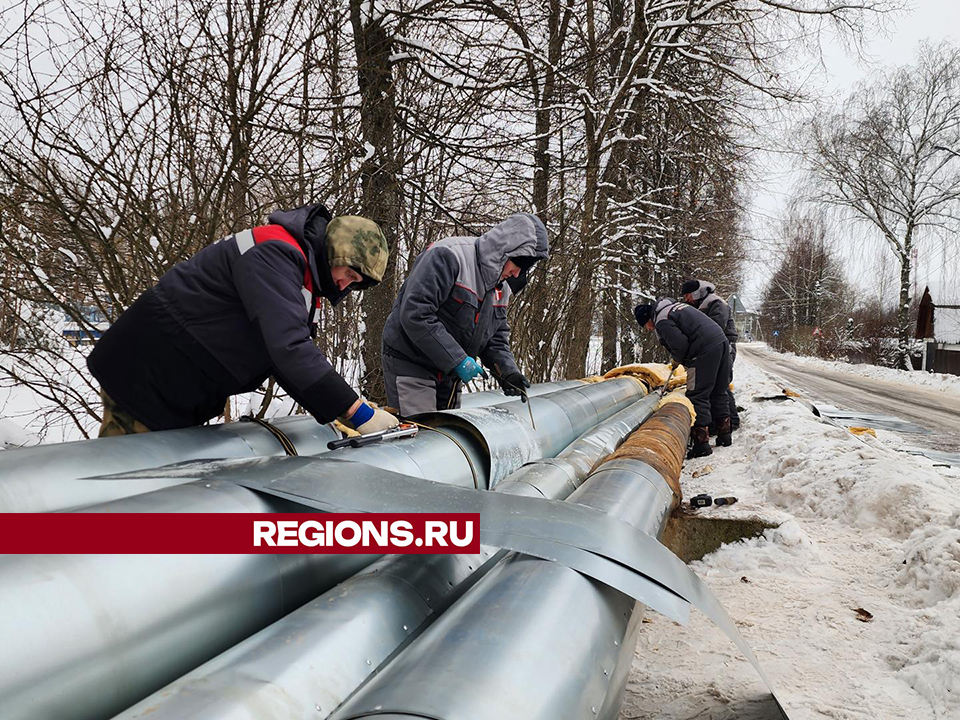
[163, 626]
[313, 659]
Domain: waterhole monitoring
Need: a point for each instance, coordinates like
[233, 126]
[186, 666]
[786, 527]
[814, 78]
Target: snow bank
[814, 469]
[928, 652]
[934, 381]
[862, 527]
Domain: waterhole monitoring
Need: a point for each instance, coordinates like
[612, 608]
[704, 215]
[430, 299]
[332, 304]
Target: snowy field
[863, 526]
[932, 381]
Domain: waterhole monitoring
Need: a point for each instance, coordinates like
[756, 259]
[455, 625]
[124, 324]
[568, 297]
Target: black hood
[308, 224]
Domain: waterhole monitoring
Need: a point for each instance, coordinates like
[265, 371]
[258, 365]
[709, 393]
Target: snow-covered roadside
[863, 526]
[934, 381]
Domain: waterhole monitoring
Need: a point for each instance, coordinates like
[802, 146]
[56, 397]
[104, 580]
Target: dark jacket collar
[308, 224]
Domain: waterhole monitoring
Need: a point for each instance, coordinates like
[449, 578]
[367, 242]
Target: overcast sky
[933, 20]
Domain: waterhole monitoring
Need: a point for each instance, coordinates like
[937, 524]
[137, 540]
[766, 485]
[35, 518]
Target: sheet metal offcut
[585, 539]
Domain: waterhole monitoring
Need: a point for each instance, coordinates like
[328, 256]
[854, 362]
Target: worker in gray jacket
[703, 295]
[452, 308]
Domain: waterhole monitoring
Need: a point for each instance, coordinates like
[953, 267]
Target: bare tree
[807, 300]
[885, 159]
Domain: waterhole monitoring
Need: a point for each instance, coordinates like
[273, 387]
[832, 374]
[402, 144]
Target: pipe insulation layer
[552, 643]
[50, 478]
[132, 624]
[308, 662]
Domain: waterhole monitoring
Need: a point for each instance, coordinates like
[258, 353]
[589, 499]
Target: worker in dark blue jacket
[453, 308]
[239, 311]
[703, 296]
[699, 344]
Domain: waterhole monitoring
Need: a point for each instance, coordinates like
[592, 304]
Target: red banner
[239, 533]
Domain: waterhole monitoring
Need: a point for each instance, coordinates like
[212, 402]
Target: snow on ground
[934, 381]
[863, 526]
[27, 417]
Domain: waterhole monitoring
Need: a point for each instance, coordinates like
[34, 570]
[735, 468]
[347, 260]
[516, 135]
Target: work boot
[735, 423]
[700, 442]
[724, 432]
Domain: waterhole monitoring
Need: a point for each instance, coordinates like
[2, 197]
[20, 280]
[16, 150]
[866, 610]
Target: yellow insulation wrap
[679, 397]
[654, 375]
[661, 442]
[593, 379]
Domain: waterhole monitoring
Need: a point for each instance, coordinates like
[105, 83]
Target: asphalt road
[936, 411]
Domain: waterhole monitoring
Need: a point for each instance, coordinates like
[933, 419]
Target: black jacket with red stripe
[220, 323]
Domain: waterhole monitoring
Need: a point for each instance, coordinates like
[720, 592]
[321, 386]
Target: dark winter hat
[643, 313]
[690, 286]
[524, 262]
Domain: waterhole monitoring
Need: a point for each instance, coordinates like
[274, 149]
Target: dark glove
[513, 383]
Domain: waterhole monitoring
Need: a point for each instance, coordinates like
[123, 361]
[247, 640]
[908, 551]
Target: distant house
[938, 325]
[95, 325]
[746, 321]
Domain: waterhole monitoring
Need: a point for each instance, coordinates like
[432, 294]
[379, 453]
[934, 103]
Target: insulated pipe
[305, 664]
[49, 478]
[552, 643]
[496, 397]
[153, 603]
[512, 434]
[476, 447]
[556, 478]
[308, 662]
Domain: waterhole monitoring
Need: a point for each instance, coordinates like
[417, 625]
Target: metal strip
[360, 488]
[575, 535]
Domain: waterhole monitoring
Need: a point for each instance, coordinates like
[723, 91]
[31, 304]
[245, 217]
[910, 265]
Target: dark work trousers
[734, 415]
[413, 389]
[708, 380]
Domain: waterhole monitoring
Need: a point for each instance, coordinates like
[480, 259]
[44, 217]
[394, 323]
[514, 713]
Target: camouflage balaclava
[358, 243]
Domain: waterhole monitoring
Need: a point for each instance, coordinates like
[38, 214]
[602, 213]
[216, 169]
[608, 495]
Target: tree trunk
[584, 291]
[903, 311]
[378, 177]
[608, 358]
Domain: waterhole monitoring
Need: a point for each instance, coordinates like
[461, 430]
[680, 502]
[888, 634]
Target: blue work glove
[468, 369]
[370, 420]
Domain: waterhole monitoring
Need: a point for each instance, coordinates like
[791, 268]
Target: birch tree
[885, 160]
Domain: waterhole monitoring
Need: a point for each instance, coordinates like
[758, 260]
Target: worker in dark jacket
[453, 307]
[698, 343]
[703, 296]
[237, 312]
